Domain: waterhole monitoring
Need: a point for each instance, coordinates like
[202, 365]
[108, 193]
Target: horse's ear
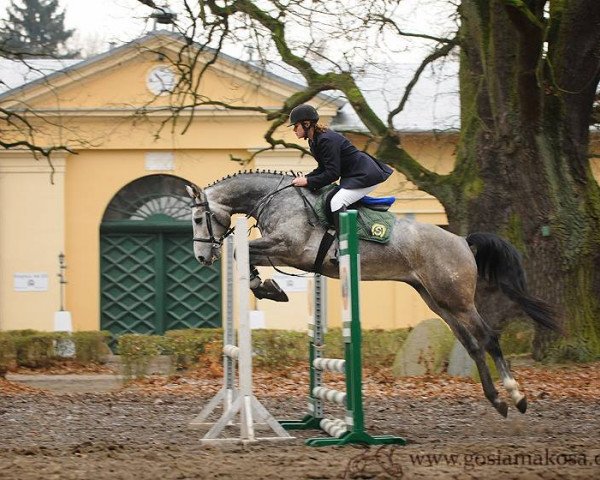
[192, 191]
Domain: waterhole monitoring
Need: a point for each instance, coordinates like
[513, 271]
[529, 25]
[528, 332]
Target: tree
[529, 73]
[35, 28]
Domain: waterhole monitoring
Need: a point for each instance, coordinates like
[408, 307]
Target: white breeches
[345, 197]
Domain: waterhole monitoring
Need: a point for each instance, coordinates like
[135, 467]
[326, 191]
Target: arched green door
[150, 280]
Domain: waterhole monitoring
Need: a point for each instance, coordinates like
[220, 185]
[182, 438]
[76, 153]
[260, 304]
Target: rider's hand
[300, 182]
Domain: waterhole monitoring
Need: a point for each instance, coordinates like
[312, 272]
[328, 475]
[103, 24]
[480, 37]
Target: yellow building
[117, 209]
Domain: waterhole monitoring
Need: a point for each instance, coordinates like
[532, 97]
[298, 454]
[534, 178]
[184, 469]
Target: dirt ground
[141, 432]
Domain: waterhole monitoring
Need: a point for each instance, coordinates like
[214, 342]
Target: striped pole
[351, 429]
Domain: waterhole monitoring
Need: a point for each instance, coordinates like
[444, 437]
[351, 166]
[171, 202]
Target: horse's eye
[198, 220]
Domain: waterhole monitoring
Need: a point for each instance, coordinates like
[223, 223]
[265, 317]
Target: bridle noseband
[209, 216]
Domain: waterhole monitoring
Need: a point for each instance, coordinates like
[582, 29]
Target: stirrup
[270, 290]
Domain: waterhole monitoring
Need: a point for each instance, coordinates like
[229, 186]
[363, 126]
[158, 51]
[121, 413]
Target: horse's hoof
[502, 408]
[270, 290]
[522, 405]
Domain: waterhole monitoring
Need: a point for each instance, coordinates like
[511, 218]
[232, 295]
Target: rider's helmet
[302, 113]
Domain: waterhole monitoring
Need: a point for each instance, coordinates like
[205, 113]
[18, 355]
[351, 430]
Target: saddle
[375, 223]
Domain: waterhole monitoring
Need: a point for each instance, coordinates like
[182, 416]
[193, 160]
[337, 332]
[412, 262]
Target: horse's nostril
[200, 258]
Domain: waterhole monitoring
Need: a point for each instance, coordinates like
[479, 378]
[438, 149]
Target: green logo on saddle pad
[378, 230]
[373, 225]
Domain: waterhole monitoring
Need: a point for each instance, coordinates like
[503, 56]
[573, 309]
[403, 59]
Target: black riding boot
[268, 289]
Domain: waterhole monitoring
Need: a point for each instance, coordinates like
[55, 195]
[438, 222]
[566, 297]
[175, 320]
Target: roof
[16, 73]
[432, 106]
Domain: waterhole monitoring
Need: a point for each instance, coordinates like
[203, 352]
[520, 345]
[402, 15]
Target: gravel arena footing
[128, 434]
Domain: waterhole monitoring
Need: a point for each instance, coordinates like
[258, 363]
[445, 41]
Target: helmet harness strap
[306, 126]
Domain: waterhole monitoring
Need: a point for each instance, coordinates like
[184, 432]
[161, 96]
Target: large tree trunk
[527, 84]
[525, 131]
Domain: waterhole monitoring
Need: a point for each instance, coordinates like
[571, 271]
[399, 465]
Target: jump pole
[228, 393]
[240, 403]
[351, 429]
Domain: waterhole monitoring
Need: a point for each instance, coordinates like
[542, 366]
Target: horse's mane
[253, 172]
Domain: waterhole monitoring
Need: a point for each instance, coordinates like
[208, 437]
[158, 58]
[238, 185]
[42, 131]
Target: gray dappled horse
[438, 264]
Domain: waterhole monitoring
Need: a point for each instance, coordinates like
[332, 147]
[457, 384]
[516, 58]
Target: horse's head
[210, 226]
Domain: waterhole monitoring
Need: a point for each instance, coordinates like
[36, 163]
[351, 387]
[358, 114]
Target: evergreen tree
[35, 28]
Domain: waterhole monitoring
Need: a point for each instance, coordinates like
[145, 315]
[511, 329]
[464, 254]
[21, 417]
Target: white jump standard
[351, 429]
[244, 403]
[228, 392]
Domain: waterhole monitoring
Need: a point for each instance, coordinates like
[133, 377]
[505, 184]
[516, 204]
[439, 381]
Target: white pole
[248, 407]
[242, 257]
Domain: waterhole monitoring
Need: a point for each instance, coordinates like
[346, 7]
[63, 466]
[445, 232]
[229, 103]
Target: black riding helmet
[302, 113]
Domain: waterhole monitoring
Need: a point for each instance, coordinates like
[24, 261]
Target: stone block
[425, 351]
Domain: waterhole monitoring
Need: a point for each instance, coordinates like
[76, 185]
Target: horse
[441, 266]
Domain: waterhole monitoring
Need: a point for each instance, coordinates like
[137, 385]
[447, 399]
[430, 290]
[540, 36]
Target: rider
[337, 158]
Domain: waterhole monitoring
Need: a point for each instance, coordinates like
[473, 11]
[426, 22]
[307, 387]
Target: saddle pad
[373, 226]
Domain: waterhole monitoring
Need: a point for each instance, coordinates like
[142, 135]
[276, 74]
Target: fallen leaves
[15, 388]
[67, 367]
[573, 381]
[538, 382]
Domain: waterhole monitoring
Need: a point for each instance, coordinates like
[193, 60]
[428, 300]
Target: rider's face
[298, 130]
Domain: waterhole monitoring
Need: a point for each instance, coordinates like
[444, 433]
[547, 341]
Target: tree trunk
[525, 132]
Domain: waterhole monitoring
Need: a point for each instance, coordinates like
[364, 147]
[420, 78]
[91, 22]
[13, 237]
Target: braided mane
[253, 172]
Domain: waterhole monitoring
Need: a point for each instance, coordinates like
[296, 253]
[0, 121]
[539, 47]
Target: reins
[209, 215]
[256, 212]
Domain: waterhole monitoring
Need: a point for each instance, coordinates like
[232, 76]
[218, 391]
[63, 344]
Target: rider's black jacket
[337, 157]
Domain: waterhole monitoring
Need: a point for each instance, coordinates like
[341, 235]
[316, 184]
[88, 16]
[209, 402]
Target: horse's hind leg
[473, 339]
[492, 346]
[510, 384]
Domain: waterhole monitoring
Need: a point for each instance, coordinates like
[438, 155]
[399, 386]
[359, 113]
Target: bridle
[209, 216]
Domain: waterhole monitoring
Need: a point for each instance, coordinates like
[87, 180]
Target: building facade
[116, 207]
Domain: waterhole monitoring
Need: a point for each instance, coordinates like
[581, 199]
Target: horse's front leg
[261, 250]
[265, 251]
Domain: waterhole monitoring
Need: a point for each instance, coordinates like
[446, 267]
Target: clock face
[161, 80]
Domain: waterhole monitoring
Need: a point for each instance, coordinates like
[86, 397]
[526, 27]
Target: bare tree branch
[386, 21]
[149, 3]
[524, 17]
[267, 26]
[439, 53]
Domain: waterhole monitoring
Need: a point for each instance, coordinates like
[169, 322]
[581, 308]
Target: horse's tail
[499, 262]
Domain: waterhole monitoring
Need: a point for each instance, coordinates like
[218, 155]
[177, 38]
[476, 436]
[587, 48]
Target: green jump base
[313, 423]
[307, 423]
[361, 438]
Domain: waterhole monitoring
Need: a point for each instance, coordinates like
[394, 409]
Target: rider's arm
[327, 153]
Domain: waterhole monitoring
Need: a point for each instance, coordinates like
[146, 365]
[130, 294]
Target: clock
[161, 80]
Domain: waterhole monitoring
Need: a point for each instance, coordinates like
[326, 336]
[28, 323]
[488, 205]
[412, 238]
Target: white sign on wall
[159, 161]
[30, 281]
[291, 284]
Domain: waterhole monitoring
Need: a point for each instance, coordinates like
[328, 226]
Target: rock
[460, 364]
[425, 350]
